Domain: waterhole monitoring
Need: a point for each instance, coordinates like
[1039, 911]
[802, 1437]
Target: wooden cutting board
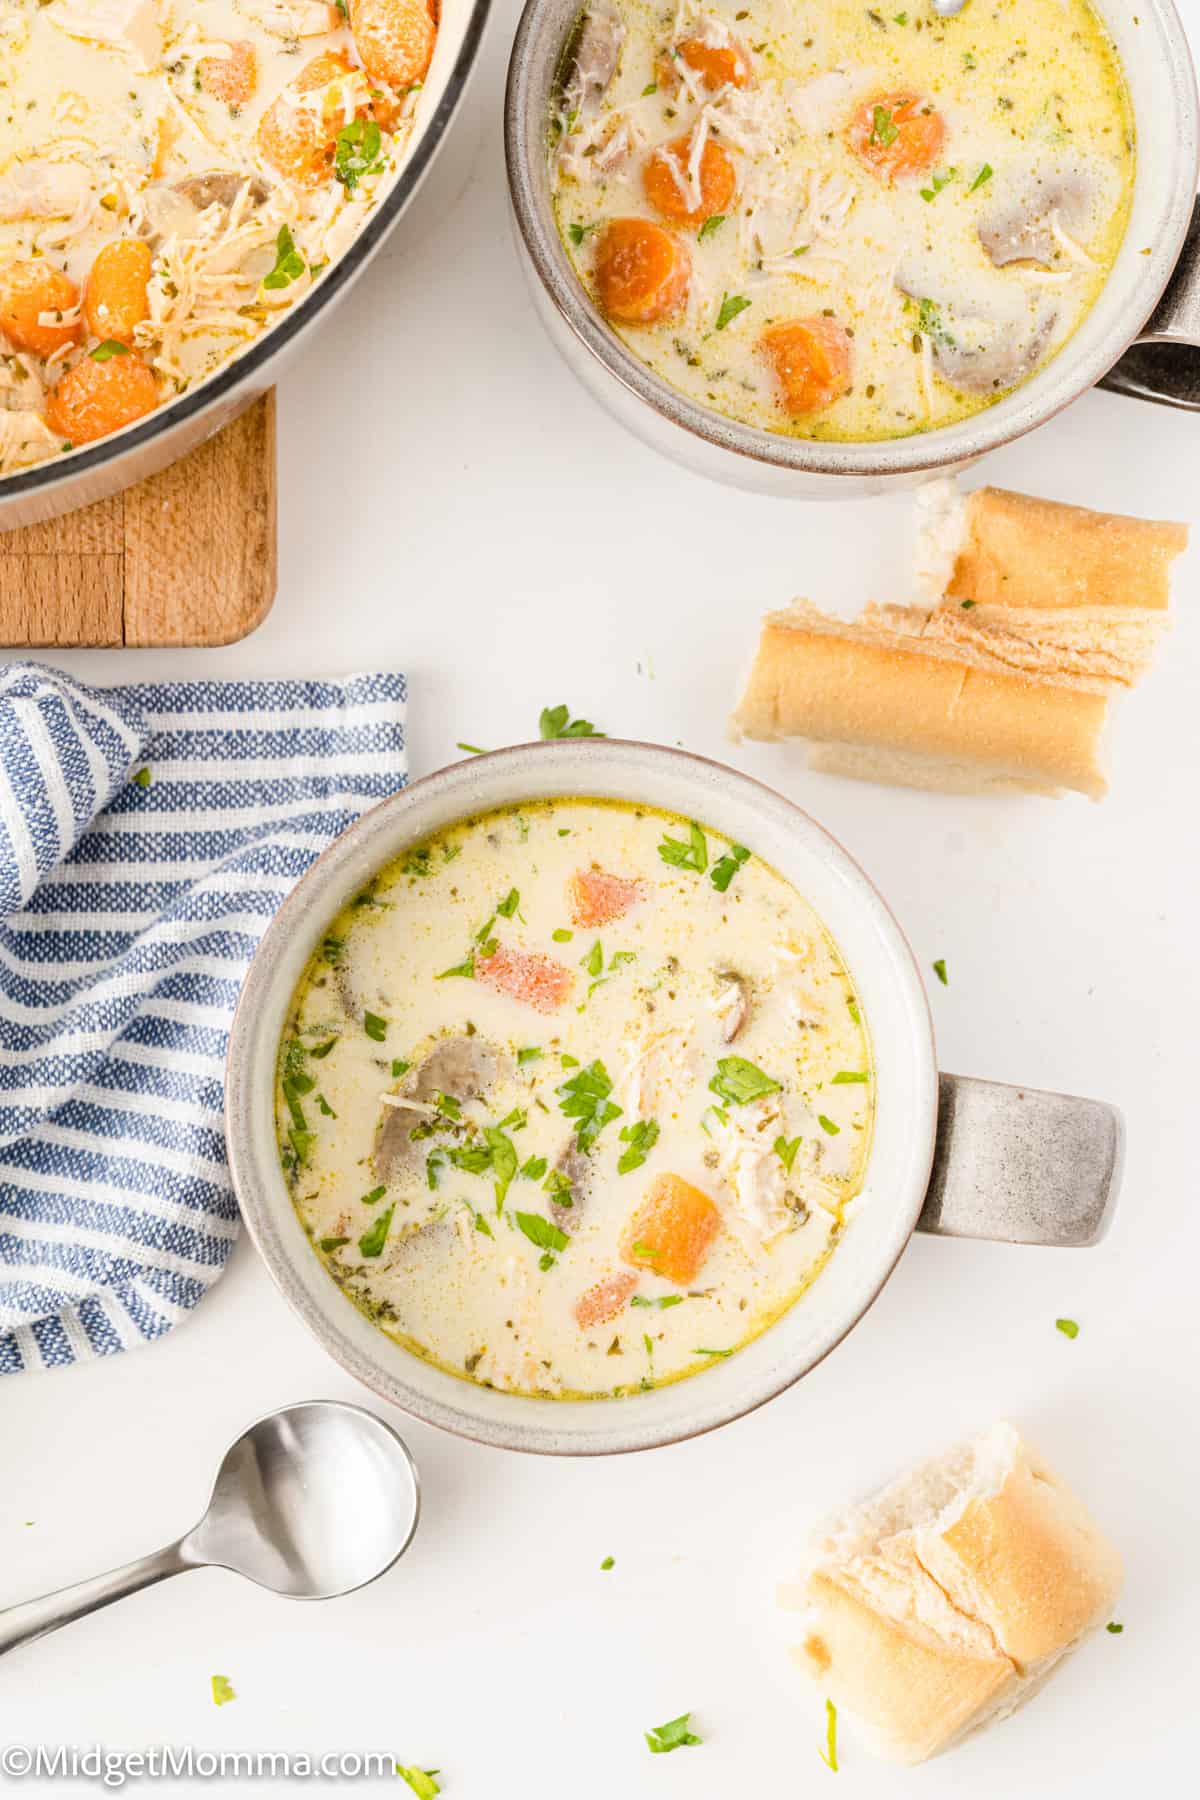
[187, 557]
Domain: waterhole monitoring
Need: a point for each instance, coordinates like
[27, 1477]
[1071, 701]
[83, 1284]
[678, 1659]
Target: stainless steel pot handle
[1164, 362]
[1022, 1167]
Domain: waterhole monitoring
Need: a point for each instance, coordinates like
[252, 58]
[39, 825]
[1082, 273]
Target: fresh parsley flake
[848, 1077]
[289, 264]
[829, 1755]
[827, 1124]
[662, 1301]
[937, 183]
[376, 1194]
[142, 778]
[1114, 1628]
[651, 87]
[542, 1232]
[371, 1242]
[985, 174]
[556, 722]
[222, 1690]
[330, 1244]
[609, 1561]
[712, 1353]
[939, 969]
[884, 130]
[509, 904]
[504, 1162]
[731, 306]
[785, 1149]
[533, 1168]
[320, 1051]
[593, 962]
[471, 749]
[399, 1067]
[529, 1054]
[585, 1098]
[1068, 1327]
[724, 870]
[692, 854]
[421, 1781]
[357, 152]
[641, 1138]
[103, 353]
[375, 1027]
[464, 969]
[739, 1081]
[713, 223]
[674, 1735]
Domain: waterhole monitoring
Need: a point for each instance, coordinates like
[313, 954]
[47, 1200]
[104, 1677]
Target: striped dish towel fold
[147, 836]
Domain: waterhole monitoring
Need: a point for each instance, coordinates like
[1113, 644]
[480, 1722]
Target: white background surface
[453, 504]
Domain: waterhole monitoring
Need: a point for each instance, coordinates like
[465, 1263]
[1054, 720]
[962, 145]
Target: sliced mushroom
[982, 342]
[574, 1165]
[732, 1003]
[462, 1066]
[1019, 225]
[592, 60]
[173, 210]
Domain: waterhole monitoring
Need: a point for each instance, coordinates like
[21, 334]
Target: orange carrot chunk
[298, 132]
[810, 359]
[395, 39]
[641, 273]
[721, 65]
[230, 78]
[34, 297]
[537, 980]
[668, 184]
[672, 1230]
[95, 398]
[114, 294]
[604, 1301]
[897, 135]
[596, 898]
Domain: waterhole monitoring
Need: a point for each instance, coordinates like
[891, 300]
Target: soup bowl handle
[1019, 1166]
[1163, 363]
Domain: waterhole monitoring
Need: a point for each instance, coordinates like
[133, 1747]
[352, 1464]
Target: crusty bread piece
[945, 1600]
[1039, 554]
[1097, 647]
[943, 710]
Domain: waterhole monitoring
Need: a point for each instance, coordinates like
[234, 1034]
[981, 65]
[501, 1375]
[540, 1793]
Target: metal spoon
[313, 1501]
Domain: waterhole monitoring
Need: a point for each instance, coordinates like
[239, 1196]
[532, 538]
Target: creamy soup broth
[568, 1118]
[862, 222]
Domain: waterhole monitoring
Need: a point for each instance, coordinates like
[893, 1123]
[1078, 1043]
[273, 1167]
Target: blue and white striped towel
[147, 835]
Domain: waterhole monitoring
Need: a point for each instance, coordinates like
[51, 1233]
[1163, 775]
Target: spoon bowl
[312, 1501]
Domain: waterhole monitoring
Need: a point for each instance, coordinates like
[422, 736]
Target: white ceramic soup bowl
[1151, 300]
[1036, 1168]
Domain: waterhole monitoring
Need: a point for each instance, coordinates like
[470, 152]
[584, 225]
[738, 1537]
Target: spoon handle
[34, 1618]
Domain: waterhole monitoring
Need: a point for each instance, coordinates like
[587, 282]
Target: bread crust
[930, 1615]
[1021, 551]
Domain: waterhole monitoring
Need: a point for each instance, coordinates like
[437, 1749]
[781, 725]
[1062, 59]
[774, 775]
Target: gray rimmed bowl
[1014, 1164]
[1151, 300]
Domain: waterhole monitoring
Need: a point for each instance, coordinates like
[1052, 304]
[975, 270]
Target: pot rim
[52, 477]
[1051, 389]
[254, 1168]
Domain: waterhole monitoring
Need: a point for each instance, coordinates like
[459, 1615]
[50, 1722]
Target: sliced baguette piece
[946, 1600]
[950, 717]
[1096, 647]
[1015, 550]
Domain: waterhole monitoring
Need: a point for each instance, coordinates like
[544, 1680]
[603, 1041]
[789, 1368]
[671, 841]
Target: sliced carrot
[810, 359]
[897, 135]
[672, 1230]
[596, 898]
[537, 980]
[641, 272]
[668, 187]
[721, 65]
[298, 134]
[95, 398]
[604, 1301]
[395, 39]
[230, 78]
[114, 294]
[33, 296]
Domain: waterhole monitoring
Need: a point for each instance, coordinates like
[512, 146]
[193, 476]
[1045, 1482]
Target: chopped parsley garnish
[542, 1232]
[324, 1107]
[713, 223]
[785, 1149]
[509, 904]
[529, 1054]
[471, 749]
[562, 935]
[593, 962]
[852, 1009]
[331, 948]
[358, 152]
[828, 1125]
[399, 1067]
[937, 183]
[712, 1352]
[661, 1302]
[900, 19]
[421, 1781]
[609, 1562]
[376, 1194]
[674, 1735]
[724, 870]
[504, 1162]
[222, 1690]
[647, 1252]
[739, 1081]
[322, 1050]
[847, 1077]
[102, 353]
[985, 174]
[371, 1242]
[1068, 1327]
[939, 969]
[829, 1754]
[884, 130]
[533, 1169]
[651, 87]
[968, 60]
[556, 722]
[142, 778]
[375, 1027]
[641, 1138]
[289, 264]
[577, 233]
[330, 1244]
[447, 1105]
[558, 1187]
[586, 1099]
[692, 854]
[731, 306]
[465, 969]
[1114, 1628]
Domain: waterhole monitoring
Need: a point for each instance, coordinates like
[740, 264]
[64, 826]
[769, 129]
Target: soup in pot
[574, 1098]
[837, 221]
